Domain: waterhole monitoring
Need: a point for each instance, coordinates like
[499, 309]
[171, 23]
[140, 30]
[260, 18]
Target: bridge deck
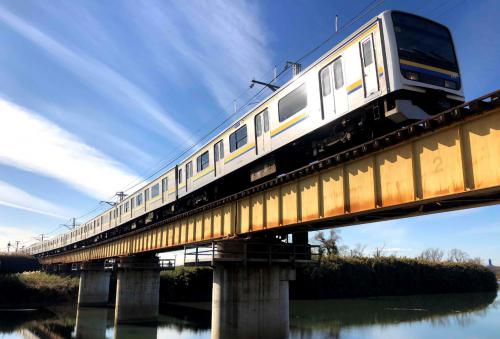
[450, 167]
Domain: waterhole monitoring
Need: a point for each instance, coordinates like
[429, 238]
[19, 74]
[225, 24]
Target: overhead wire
[367, 9]
[372, 5]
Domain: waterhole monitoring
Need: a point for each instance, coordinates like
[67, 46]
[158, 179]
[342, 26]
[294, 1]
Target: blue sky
[96, 94]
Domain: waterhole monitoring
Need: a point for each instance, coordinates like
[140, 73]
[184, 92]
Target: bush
[17, 263]
[36, 288]
[186, 284]
[361, 277]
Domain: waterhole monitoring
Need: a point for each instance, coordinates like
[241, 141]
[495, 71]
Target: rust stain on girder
[460, 159]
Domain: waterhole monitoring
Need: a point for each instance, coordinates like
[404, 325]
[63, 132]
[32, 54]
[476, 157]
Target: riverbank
[36, 289]
[496, 270]
[17, 263]
[188, 284]
[335, 277]
[346, 277]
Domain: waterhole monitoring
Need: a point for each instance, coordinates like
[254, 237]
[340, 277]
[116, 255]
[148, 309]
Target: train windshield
[424, 41]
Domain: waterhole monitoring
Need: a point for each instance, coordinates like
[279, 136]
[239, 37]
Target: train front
[425, 65]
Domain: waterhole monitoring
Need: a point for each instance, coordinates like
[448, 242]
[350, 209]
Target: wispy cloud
[119, 143]
[224, 43]
[15, 197]
[100, 77]
[33, 143]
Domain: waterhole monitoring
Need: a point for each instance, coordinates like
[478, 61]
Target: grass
[348, 277]
[360, 277]
[335, 277]
[36, 288]
[186, 284]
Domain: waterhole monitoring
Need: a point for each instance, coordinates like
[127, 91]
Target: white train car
[396, 67]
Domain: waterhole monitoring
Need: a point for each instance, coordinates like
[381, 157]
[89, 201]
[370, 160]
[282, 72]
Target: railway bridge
[448, 162]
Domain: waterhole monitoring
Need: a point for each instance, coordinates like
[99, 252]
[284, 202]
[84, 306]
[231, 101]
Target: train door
[339, 88]
[369, 67]
[262, 132]
[326, 92]
[219, 158]
[189, 176]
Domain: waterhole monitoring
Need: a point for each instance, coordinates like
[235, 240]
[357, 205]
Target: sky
[97, 95]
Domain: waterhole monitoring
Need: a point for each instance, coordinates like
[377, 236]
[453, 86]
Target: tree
[328, 245]
[457, 255]
[476, 260]
[358, 251]
[432, 254]
[378, 251]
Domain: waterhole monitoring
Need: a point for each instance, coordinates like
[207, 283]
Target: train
[395, 69]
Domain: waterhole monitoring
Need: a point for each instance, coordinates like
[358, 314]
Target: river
[471, 315]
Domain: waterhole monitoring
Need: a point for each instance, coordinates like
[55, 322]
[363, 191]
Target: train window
[155, 190]
[120, 211]
[219, 150]
[138, 199]
[326, 84]
[266, 121]
[146, 194]
[337, 74]
[189, 170]
[292, 103]
[126, 207]
[164, 185]
[238, 138]
[202, 162]
[367, 52]
[110, 215]
[180, 176]
[258, 125]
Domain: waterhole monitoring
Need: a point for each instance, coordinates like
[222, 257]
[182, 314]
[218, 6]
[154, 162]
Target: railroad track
[440, 121]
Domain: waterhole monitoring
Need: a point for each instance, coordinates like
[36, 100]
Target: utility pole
[8, 247]
[121, 195]
[71, 226]
[17, 245]
[296, 67]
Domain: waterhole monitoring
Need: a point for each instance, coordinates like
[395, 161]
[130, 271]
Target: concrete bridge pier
[250, 300]
[94, 284]
[138, 289]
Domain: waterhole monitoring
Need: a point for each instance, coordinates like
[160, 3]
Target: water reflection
[146, 331]
[91, 323]
[330, 318]
[452, 315]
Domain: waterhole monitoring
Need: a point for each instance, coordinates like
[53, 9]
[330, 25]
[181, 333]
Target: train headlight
[411, 76]
[450, 84]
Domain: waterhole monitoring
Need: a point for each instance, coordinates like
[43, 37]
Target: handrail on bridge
[207, 254]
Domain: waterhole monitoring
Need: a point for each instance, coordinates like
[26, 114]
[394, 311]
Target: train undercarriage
[360, 126]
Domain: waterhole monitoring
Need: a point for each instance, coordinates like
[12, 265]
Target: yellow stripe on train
[238, 152]
[430, 68]
[288, 124]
